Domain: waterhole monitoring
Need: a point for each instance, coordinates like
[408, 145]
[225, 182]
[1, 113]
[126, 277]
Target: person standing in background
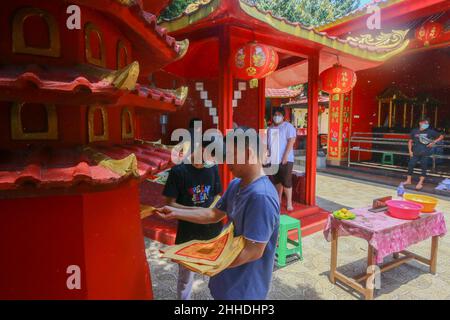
[420, 147]
[281, 137]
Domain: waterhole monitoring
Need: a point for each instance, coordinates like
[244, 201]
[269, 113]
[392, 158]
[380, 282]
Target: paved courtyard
[308, 279]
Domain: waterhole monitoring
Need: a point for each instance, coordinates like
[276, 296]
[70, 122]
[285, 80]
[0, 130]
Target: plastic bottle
[400, 190]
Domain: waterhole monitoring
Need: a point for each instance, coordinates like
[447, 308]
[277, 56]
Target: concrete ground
[308, 279]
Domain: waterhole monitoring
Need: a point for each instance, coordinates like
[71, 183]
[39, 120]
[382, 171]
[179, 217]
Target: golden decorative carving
[122, 167]
[91, 124]
[391, 40]
[124, 79]
[88, 30]
[127, 115]
[195, 6]
[17, 132]
[127, 3]
[121, 46]
[18, 37]
[184, 46]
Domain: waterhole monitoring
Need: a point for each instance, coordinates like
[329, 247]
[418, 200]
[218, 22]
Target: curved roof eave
[357, 13]
[362, 48]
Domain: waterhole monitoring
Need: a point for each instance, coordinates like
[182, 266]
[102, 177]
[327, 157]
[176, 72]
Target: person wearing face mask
[420, 146]
[192, 184]
[281, 137]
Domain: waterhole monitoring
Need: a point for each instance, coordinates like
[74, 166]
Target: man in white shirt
[281, 137]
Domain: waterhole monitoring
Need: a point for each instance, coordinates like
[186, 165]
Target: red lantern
[429, 32]
[254, 61]
[337, 79]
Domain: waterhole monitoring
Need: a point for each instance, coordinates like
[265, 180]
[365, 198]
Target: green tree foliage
[307, 12]
[176, 8]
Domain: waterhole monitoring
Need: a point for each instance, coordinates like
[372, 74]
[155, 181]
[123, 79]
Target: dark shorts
[284, 175]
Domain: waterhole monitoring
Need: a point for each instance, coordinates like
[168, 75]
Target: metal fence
[396, 144]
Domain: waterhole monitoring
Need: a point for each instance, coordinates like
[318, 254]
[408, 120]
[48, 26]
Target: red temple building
[389, 98]
[87, 113]
[76, 106]
[215, 30]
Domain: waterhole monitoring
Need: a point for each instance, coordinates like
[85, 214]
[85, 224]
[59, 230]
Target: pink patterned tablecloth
[387, 235]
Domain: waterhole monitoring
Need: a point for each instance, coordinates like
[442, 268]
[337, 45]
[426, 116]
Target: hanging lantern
[429, 32]
[337, 79]
[254, 61]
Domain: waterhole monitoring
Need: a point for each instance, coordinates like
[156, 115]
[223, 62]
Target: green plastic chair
[387, 158]
[288, 223]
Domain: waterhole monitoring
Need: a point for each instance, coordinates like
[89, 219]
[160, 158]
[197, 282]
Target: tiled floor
[308, 279]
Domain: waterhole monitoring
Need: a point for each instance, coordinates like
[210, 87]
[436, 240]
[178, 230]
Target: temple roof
[45, 167]
[394, 14]
[303, 101]
[282, 93]
[84, 85]
[206, 13]
[359, 12]
[154, 47]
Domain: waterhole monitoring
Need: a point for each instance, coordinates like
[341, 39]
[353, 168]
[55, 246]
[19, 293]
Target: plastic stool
[387, 158]
[288, 223]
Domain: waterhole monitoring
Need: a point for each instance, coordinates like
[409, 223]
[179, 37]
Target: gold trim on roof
[184, 46]
[391, 40]
[186, 19]
[182, 93]
[295, 29]
[195, 6]
[122, 167]
[126, 78]
[356, 14]
[127, 3]
[299, 31]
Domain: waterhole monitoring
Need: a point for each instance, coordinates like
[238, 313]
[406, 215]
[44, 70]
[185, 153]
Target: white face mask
[278, 119]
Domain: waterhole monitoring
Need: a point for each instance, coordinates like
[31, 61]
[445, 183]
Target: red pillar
[225, 94]
[313, 128]
[261, 103]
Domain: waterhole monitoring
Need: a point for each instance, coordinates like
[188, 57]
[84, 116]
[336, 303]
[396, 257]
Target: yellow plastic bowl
[429, 203]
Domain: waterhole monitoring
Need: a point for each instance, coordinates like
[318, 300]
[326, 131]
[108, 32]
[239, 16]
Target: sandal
[419, 187]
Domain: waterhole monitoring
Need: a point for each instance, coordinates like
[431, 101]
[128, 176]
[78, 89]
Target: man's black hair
[278, 109]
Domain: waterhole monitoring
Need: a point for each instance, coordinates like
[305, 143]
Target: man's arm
[252, 251]
[289, 147]
[410, 144]
[194, 215]
[173, 203]
[440, 138]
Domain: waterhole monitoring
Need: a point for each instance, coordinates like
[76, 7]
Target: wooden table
[368, 278]
[361, 227]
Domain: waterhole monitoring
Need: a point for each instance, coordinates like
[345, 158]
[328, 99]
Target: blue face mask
[424, 126]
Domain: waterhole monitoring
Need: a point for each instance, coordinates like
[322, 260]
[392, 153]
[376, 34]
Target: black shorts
[284, 175]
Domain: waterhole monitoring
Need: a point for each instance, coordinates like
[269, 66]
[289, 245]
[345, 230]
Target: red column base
[99, 233]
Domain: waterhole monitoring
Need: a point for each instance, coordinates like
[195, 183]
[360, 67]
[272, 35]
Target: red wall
[100, 232]
[246, 113]
[72, 41]
[425, 72]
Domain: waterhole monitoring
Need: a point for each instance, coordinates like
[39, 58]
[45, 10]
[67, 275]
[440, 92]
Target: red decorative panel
[339, 126]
